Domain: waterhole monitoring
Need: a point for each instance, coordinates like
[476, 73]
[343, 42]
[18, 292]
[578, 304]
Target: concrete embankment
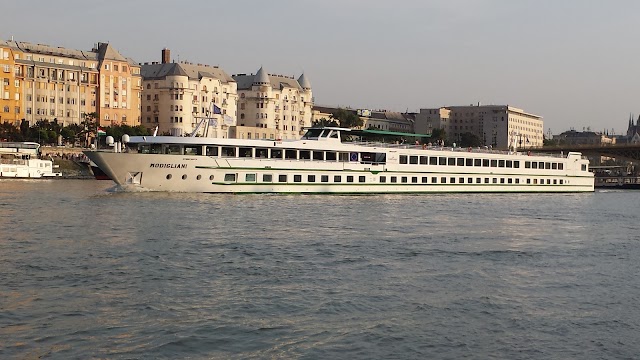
[71, 162]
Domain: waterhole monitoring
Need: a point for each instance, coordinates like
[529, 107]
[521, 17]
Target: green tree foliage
[438, 134]
[470, 140]
[325, 122]
[347, 119]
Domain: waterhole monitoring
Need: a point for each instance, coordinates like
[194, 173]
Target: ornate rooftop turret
[261, 78]
[304, 82]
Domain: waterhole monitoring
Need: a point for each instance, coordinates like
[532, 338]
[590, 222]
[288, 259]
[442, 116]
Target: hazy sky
[574, 62]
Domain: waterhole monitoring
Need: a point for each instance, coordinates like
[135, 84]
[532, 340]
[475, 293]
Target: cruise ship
[333, 160]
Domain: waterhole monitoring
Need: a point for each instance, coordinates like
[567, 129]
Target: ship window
[169, 176]
[509, 181]
[361, 179]
[477, 162]
[460, 162]
[324, 178]
[443, 180]
[470, 180]
[469, 162]
[451, 161]
[534, 165]
[172, 149]
[541, 165]
[478, 180]
[267, 177]
[343, 156]
[144, 149]
[276, 153]
[198, 177]
[305, 155]
[404, 179]
[509, 163]
[383, 179]
[414, 180]
[452, 180]
[297, 178]
[330, 156]
[495, 180]
[262, 153]
[184, 177]
[228, 151]
[516, 164]
[547, 166]
[211, 178]
[485, 162]
[337, 178]
[501, 163]
[193, 150]
[535, 181]
[555, 181]
[250, 177]
[548, 181]
[528, 181]
[434, 180]
[318, 155]
[311, 178]
[486, 180]
[517, 181]
[229, 177]
[461, 180]
[442, 161]
[560, 166]
[424, 160]
[433, 160]
[413, 160]
[527, 164]
[494, 163]
[394, 179]
[350, 178]
[561, 181]
[245, 152]
[282, 178]
[290, 154]
[212, 151]
[403, 159]
[425, 180]
[554, 166]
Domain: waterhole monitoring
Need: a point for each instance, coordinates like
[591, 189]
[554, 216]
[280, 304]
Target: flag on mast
[216, 109]
[101, 131]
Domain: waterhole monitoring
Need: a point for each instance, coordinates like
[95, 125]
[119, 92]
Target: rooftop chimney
[166, 56]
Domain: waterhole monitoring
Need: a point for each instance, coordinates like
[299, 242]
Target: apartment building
[120, 87]
[176, 97]
[277, 102]
[501, 126]
[11, 84]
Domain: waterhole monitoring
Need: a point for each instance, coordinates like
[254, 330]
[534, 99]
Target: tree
[347, 119]
[324, 122]
[438, 134]
[470, 140]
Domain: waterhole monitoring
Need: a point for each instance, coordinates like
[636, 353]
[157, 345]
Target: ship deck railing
[482, 150]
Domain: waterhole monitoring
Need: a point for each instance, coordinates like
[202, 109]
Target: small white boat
[21, 160]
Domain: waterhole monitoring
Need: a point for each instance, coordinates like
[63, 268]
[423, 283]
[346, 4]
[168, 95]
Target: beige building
[501, 126]
[176, 97]
[274, 106]
[120, 88]
[573, 137]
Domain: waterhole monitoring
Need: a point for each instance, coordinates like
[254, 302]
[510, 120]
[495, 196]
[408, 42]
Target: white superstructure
[327, 161]
[20, 160]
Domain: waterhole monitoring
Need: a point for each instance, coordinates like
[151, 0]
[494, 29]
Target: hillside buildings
[501, 126]
[42, 82]
[573, 137]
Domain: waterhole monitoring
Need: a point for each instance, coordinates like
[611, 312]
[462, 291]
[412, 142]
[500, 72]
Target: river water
[89, 272]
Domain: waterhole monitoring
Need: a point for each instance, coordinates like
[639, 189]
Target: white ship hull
[235, 174]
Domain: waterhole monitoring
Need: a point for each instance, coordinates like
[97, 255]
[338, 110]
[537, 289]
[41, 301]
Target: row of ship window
[451, 161]
[283, 178]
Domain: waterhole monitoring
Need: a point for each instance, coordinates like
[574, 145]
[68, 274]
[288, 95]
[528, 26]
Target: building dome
[304, 82]
[261, 78]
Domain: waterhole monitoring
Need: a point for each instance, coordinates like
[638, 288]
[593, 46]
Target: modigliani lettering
[169, 166]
